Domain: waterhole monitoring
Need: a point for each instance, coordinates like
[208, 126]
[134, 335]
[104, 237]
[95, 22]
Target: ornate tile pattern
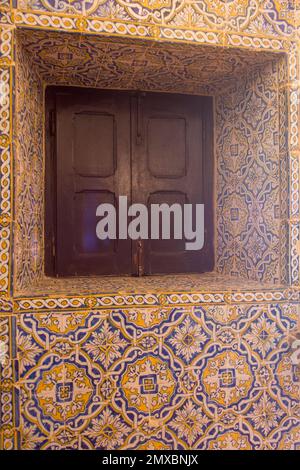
[106, 63]
[208, 368]
[28, 145]
[225, 296]
[173, 378]
[8, 415]
[6, 79]
[249, 215]
[256, 17]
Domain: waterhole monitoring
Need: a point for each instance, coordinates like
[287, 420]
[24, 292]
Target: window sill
[177, 283]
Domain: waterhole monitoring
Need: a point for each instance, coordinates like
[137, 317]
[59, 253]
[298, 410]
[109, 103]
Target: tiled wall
[250, 219]
[121, 63]
[29, 172]
[206, 377]
[157, 368]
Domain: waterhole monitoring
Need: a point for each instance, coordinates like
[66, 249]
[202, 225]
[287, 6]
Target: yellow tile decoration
[63, 392]
[226, 378]
[174, 362]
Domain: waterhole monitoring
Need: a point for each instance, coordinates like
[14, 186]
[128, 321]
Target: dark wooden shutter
[172, 163]
[152, 148]
[93, 167]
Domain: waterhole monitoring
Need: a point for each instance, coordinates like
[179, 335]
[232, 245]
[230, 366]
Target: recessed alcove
[251, 173]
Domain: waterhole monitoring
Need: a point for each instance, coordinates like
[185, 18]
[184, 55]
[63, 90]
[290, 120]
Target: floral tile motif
[230, 440]
[265, 18]
[106, 345]
[189, 422]
[187, 339]
[107, 431]
[230, 434]
[29, 436]
[265, 414]
[62, 393]
[288, 379]
[162, 12]
[148, 385]
[226, 378]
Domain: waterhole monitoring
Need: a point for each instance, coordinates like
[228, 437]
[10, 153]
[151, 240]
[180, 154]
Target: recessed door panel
[86, 243]
[167, 146]
[94, 137]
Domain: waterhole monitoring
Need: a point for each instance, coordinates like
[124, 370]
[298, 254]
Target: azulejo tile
[226, 378]
[6, 78]
[249, 212]
[294, 238]
[6, 44]
[265, 414]
[289, 436]
[230, 440]
[239, 438]
[187, 339]
[64, 391]
[148, 385]
[211, 392]
[60, 391]
[268, 18]
[177, 19]
[108, 430]
[5, 3]
[288, 379]
[189, 422]
[106, 344]
[257, 17]
[29, 436]
[265, 333]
